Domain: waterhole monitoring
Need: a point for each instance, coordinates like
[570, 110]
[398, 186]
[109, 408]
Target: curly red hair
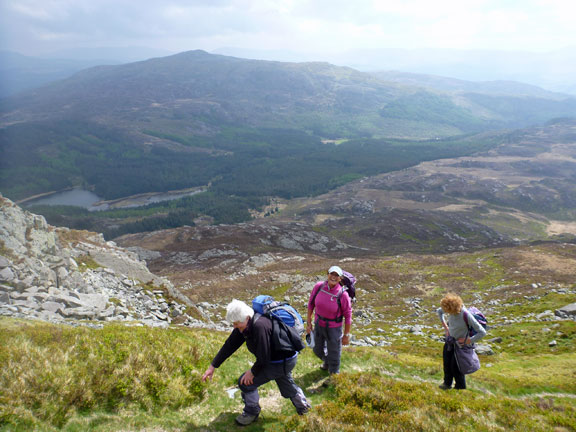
[451, 304]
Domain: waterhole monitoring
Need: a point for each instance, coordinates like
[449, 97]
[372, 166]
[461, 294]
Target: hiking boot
[305, 410]
[324, 366]
[245, 419]
[444, 386]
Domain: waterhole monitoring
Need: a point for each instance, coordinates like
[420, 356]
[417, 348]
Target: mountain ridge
[507, 87]
[199, 76]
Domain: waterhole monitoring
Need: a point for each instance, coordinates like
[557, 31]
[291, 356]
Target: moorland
[416, 190]
[138, 378]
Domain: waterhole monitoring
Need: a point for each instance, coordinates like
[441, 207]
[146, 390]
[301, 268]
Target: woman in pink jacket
[331, 305]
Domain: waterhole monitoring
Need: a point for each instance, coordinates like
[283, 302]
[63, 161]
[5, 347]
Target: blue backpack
[479, 316]
[287, 323]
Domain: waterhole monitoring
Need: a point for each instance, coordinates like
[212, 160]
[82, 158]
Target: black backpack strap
[338, 318]
[316, 294]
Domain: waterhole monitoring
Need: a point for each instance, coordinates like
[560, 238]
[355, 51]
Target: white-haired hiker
[269, 365]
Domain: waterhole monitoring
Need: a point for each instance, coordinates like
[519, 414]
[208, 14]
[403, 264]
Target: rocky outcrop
[568, 311]
[202, 247]
[57, 274]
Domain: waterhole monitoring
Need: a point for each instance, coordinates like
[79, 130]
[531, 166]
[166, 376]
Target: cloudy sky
[36, 27]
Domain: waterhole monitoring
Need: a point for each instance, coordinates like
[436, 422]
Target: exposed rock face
[205, 246]
[25, 233]
[567, 311]
[57, 274]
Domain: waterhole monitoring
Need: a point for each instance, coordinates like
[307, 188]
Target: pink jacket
[326, 304]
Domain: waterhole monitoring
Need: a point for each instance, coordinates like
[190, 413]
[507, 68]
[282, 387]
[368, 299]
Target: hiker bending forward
[456, 330]
[331, 305]
[269, 365]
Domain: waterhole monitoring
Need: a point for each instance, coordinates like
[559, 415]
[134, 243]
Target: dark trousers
[451, 371]
[282, 374]
[328, 346]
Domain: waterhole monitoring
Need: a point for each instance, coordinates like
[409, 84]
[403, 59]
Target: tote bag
[467, 359]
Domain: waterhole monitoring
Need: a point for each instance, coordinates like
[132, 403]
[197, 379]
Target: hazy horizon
[530, 41]
[37, 27]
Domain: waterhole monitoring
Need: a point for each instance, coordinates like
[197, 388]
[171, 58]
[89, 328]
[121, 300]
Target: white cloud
[299, 25]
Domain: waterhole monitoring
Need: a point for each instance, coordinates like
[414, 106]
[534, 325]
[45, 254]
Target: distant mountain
[554, 71]
[197, 84]
[454, 85]
[19, 72]
[198, 93]
[110, 55]
[195, 118]
[519, 103]
[280, 55]
[211, 90]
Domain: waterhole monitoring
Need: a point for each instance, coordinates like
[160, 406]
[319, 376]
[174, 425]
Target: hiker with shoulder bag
[332, 307]
[462, 330]
[272, 362]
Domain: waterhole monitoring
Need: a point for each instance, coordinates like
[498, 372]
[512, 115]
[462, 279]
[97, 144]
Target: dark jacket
[258, 338]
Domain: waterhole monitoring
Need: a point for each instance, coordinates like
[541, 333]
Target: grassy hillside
[135, 378]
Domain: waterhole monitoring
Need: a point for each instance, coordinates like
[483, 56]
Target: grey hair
[238, 311]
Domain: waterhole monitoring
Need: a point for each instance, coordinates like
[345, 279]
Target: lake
[89, 200]
[74, 197]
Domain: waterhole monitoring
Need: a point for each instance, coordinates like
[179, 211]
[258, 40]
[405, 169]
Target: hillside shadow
[312, 377]
[312, 382]
[226, 422]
